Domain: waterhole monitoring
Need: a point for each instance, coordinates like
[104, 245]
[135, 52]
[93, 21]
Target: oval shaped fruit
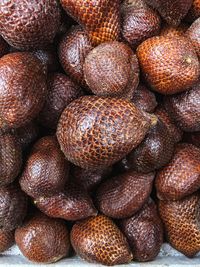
[111, 69]
[4, 47]
[181, 177]
[181, 221]
[22, 91]
[7, 239]
[123, 195]
[171, 11]
[101, 19]
[29, 24]
[184, 109]
[193, 33]
[144, 232]
[61, 91]
[10, 158]
[13, 207]
[99, 240]
[72, 204]
[95, 132]
[46, 170]
[144, 99]
[42, 239]
[139, 22]
[72, 52]
[154, 152]
[168, 71]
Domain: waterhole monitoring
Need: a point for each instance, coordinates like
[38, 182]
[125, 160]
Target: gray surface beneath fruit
[167, 257]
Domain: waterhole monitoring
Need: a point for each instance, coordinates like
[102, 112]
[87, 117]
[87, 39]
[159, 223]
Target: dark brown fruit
[181, 220]
[100, 18]
[181, 177]
[7, 239]
[13, 207]
[194, 12]
[171, 11]
[185, 109]
[98, 239]
[46, 170]
[60, 92]
[43, 240]
[95, 132]
[4, 47]
[154, 152]
[192, 138]
[175, 132]
[123, 195]
[144, 99]
[29, 24]
[139, 22]
[10, 158]
[168, 71]
[172, 31]
[22, 91]
[72, 52]
[72, 204]
[89, 179]
[144, 232]
[193, 33]
[111, 69]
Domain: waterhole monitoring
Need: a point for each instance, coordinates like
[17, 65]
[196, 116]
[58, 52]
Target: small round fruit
[7, 239]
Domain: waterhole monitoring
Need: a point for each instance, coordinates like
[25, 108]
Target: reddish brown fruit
[72, 52]
[185, 109]
[194, 12]
[46, 170]
[144, 232]
[13, 207]
[95, 132]
[98, 239]
[29, 24]
[171, 11]
[100, 18]
[72, 204]
[181, 220]
[154, 152]
[193, 33]
[111, 69]
[144, 99]
[139, 22]
[22, 91]
[4, 47]
[172, 31]
[7, 239]
[122, 196]
[181, 177]
[43, 240]
[192, 138]
[10, 158]
[175, 132]
[60, 92]
[168, 71]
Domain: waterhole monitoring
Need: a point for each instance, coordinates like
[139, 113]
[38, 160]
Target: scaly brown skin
[61, 91]
[154, 152]
[13, 206]
[172, 31]
[100, 18]
[181, 177]
[111, 69]
[144, 232]
[99, 240]
[194, 12]
[123, 195]
[72, 204]
[184, 109]
[72, 52]
[139, 22]
[193, 33]
[168, 71]
[95, 132]
[22, 89]
[10, 158]
[42, 239]
[181, 221]
[171, 11]
[7, 239]
[4, 47]
[29, 24]
[46, 170]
